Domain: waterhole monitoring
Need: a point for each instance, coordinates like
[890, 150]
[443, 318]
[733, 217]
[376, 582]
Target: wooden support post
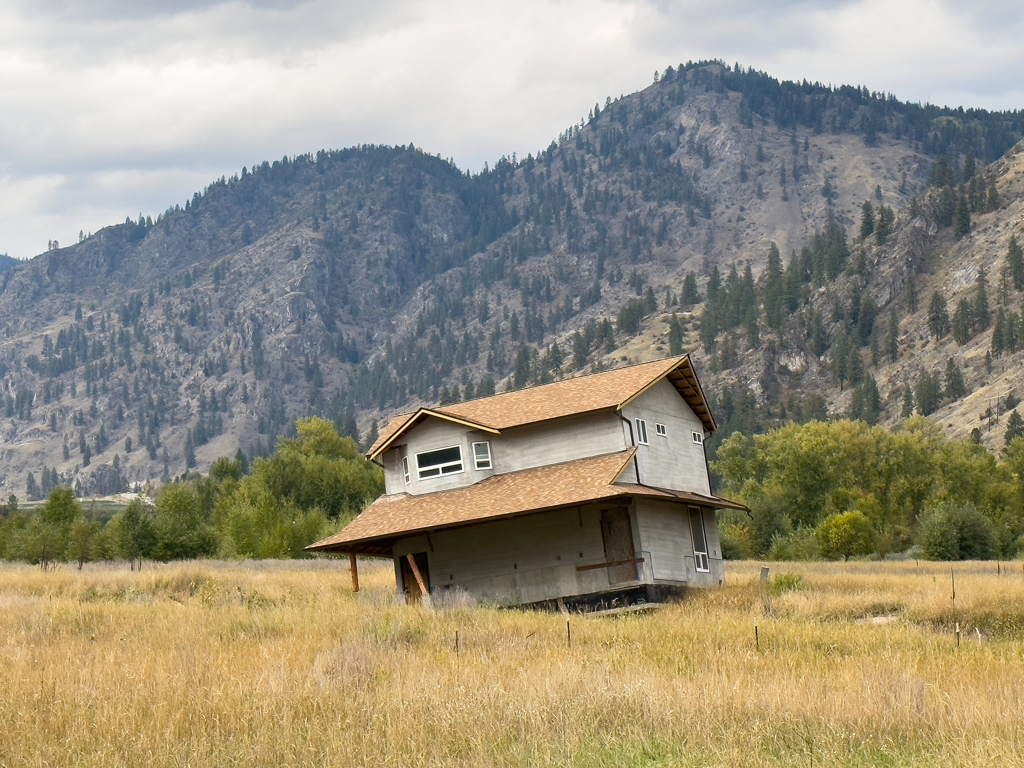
[419, 579]
[354, 568]
[757, 640]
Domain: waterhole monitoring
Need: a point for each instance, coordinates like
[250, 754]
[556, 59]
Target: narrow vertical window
[405, 468]
[641, 431]
[482, 455]
[700, 542]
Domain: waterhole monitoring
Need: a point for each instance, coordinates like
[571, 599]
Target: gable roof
[581, 394]
[516, 493]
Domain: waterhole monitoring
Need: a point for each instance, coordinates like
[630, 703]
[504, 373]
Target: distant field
[259, 664]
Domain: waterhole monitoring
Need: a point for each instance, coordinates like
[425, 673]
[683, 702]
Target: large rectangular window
[641, 431]
[482, 455]
[446, 461]
[700, 542]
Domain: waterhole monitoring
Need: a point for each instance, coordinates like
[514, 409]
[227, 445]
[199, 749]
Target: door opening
[618, 544]
[413, 592]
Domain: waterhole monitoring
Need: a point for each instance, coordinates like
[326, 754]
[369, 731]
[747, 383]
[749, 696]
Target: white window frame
[440, 467]
[661, 430]
[698, 438]
[478, 461]
[405, 469]
[641, 431]
[700, 559]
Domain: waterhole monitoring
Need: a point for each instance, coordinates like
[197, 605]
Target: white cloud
[127, 105]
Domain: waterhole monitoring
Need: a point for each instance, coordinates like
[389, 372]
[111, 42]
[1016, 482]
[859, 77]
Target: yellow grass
[207, 664]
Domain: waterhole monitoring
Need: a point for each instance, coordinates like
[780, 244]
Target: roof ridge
[530, 388]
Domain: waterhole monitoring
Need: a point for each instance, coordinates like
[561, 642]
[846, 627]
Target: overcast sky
[116, 107]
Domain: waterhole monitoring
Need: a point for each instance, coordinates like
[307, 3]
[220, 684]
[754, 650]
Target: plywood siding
[664, 532]
[553, 442]
[673, 461]
[519, 560]
[535, 445]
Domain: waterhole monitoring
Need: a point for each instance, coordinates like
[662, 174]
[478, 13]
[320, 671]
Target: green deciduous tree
[845, 534]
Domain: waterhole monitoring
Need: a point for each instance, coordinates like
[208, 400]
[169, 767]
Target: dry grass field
[259, 664]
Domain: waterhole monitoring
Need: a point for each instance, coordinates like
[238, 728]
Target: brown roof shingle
[515, 493]
[581, 394]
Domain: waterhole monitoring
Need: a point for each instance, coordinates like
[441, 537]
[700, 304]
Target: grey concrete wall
[519, 560]
[519, 448]
[431, 435]
[673, 461]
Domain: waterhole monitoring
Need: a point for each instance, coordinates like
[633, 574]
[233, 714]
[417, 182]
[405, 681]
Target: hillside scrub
[863, 490]
[308, 488]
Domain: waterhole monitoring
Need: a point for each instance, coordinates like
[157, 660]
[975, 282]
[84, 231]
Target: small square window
[405, 468]
[698, 438]
[661, 429]
[482, 455]
[641, 431]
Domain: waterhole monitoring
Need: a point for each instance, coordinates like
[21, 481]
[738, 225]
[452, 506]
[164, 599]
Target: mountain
[6, 262]
[360, 282]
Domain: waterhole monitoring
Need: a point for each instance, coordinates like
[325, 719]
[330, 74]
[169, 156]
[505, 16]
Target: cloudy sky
[115, 107]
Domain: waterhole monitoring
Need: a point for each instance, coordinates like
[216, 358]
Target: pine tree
[982, 314]
[938, 316]
[963, 216]
[775, 290]
[1015, 263]
[886, 220]
[1014, 427]
[892, 338]
[908, 403]
[955, 388]
[963, 321]
[867, 220]
[675, 336]
[690, 295]
[190, 451]
[998, 344]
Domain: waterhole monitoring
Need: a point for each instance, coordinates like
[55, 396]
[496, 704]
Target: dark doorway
[413, 593]
[618, 544]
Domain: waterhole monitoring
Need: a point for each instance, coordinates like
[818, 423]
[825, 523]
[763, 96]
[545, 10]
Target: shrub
[735, 541]
[845, 534]
[952, 531]
[796, 545]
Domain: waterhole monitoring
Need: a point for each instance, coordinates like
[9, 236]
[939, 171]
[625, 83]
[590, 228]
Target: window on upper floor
[641, 431]
[698, 438]
[482, 455]
[445, 461]
[405, 469]
[661, 430]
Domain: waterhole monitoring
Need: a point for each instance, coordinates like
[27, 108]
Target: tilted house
[582, 490]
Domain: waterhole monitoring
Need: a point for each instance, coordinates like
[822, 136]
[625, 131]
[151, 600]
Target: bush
[796, 545]
[735, 541]
[786, 582]
[845, 534]
[952, 531]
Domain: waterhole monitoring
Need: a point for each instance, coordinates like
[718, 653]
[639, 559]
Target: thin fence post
[568, 634]
[757, 640]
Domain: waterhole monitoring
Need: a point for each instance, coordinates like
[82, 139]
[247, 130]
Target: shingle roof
[581, 394]
[515, 493]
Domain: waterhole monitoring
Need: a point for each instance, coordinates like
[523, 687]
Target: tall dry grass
[280, 664]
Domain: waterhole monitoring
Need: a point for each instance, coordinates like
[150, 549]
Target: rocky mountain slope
[358, 283]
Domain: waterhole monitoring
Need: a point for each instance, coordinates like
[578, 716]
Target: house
[582, 491]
